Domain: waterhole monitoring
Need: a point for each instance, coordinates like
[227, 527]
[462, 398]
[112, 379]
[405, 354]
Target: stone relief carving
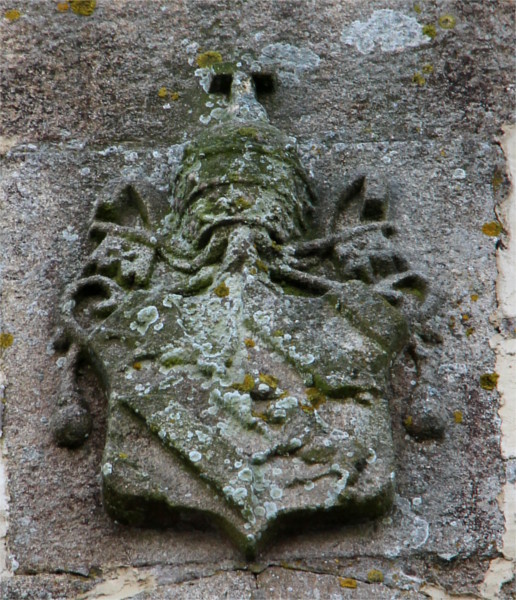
[245, 357]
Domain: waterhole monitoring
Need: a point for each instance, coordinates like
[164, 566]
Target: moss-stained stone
[170, 304]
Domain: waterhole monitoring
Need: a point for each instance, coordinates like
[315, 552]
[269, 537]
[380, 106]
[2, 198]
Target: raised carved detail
[245, 358]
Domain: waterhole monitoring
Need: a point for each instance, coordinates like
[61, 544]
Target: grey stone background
[80, 105]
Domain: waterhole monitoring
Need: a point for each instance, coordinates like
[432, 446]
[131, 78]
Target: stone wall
[415, 94]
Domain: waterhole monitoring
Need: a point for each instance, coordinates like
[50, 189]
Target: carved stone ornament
[244, 356]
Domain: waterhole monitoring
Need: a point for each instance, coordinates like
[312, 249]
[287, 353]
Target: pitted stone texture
[245, 362]
[80, 97]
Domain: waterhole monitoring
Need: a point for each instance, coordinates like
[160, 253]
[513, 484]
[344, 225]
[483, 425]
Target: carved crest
[245, 359]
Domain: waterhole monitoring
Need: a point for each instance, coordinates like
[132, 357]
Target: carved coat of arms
[245, 359]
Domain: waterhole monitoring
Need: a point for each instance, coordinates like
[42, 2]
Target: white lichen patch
[144, 319]
[195, 456]
[70, 235]
[275, 492]
[387, 31]
[290, 61]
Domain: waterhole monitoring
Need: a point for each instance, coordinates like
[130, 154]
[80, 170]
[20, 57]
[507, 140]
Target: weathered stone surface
[255, 354]
[80, 102]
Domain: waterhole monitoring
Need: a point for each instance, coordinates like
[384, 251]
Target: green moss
[208, 58]
[171, 361]
[269, 380]
[318, 455]
[417, 8]
[315, 397]
[488, 381]
[248, 132]
[430, 30]
[243, 203]
[246, 386]
[262, 266]
[419, 294]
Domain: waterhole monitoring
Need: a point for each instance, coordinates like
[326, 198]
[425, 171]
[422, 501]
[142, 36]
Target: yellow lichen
[474, 297]
[470, 331]
[62, 6]
[417, 8]
[442, 152]
[458, 417]
[269, 380]
[84, 8]
[447, 22]
[123, 455]
[246, 386]
[348, 582]
[408, 421]
[465, 317]
[418, 79]
[493, 228]
[375, 576]
[488, 381]
[6, 340]
[428, 68]
[12, 15]
[163, 93]
[221, 290]
[209, 58]
[253, 270]
[249, 343]
[429, 30]
[137, 366]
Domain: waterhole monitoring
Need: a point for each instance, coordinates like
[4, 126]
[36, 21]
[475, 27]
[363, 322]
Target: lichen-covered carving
[245, 360]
